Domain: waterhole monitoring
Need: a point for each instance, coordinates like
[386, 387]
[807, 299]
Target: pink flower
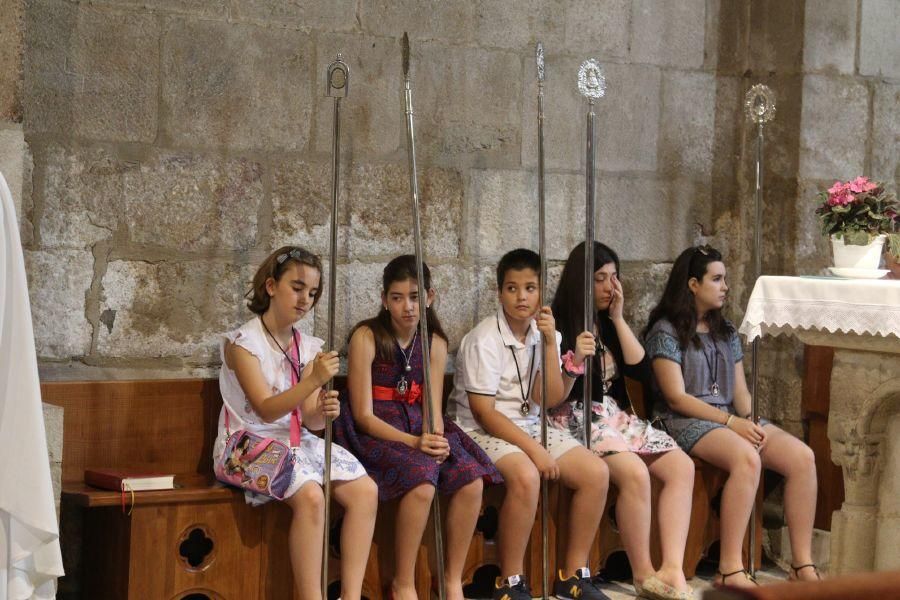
[861, 184]
[836, 188]
[839, 194]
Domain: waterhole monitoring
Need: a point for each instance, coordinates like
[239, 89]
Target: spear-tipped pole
[427, 412]
[759, 104]
[337, 82]
[542, 250]
[592, 85]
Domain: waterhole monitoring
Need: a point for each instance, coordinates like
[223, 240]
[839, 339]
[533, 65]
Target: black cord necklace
[524, 409]
[713, 369]
[296, 368]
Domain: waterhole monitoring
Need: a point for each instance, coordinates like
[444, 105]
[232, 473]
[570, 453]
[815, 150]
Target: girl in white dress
[264, 386]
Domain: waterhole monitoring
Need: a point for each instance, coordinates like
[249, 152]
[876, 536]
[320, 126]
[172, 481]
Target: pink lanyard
[296, 418]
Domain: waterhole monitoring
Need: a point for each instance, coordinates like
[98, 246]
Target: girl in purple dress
[383, 428]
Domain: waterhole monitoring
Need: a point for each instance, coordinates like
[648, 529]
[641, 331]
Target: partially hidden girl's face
[710, 293]
[604, 284]
[293, 295]
[402, 302]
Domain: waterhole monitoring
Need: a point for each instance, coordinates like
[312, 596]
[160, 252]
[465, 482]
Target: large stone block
[12, 43]
[58, 283]
[829, 38]
[170, 309]
[358, 287]
[466, 102]
[301, 206]
[193, 203]
[668, 33]
[202, 8]
[688, 124]
[834, 122]
[335, 15]
[645, 219]
[433, 19]
[235, 85]
[813, 250]
[514, 24]
[81, 192]
[372, 117]
[598, 28]
[879, 44]
[642, 286]
[626, 122]
[91, 72]
[12, 162]
[503, 212]
[53, 428]
[381, 219]
[886, 133]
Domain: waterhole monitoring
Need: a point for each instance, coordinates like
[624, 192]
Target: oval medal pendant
[715, 389]
[407, 368]
[402, 386]
[525, 409]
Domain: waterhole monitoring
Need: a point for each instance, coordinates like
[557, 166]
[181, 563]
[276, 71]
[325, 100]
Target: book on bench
[133, 481]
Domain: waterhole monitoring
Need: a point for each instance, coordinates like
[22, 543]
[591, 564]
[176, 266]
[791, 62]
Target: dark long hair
[677, 302]
[274, 266]
[401, 268]
[568, 303]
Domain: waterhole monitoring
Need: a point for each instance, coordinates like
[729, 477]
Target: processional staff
[427, 413]
[542, 250]
[759, 104]
[592, 85]
[337, 82]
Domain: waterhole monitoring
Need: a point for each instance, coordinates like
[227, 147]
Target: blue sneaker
[580, 586]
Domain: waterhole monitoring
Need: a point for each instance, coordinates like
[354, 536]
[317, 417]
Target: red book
[133, 481]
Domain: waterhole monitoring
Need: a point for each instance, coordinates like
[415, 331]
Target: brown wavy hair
[274, 266]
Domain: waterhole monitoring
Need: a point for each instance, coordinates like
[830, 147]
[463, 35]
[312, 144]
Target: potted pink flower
[860, 216]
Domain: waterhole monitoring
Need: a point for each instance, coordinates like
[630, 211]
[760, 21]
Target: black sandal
[724, 576]
[796, 571]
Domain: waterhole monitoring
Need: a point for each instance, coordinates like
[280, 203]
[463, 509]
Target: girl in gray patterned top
[702, 397]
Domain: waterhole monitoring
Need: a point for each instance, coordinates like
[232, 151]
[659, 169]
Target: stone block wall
[176, 143]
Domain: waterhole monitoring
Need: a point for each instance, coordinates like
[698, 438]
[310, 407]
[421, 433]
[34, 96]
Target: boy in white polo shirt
[497, 389]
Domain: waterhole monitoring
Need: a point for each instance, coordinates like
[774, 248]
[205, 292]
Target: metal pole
[760, 107]
[427, 414]
[592, 85]
[588, 397]
[337, 80]
[542, 250]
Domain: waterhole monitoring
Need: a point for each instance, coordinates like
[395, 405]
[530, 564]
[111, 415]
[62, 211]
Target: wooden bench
[203, 539]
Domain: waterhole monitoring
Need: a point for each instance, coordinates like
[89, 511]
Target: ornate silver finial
[539, 57]
[591, 81]
[759, 104]
[405, 45]
[337, 78]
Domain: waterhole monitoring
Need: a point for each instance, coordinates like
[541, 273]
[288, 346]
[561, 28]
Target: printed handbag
[260, 464]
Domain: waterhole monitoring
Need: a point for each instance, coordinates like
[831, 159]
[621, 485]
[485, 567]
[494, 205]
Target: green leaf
[893, 240]
[856, 238]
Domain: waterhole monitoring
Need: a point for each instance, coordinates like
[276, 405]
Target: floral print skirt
[613, 430]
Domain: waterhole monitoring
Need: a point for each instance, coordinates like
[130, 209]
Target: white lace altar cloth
[825, 304]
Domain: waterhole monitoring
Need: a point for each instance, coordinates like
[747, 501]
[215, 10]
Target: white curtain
[30, 558]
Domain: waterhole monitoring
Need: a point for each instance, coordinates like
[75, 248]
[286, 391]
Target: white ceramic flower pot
[857, 257]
